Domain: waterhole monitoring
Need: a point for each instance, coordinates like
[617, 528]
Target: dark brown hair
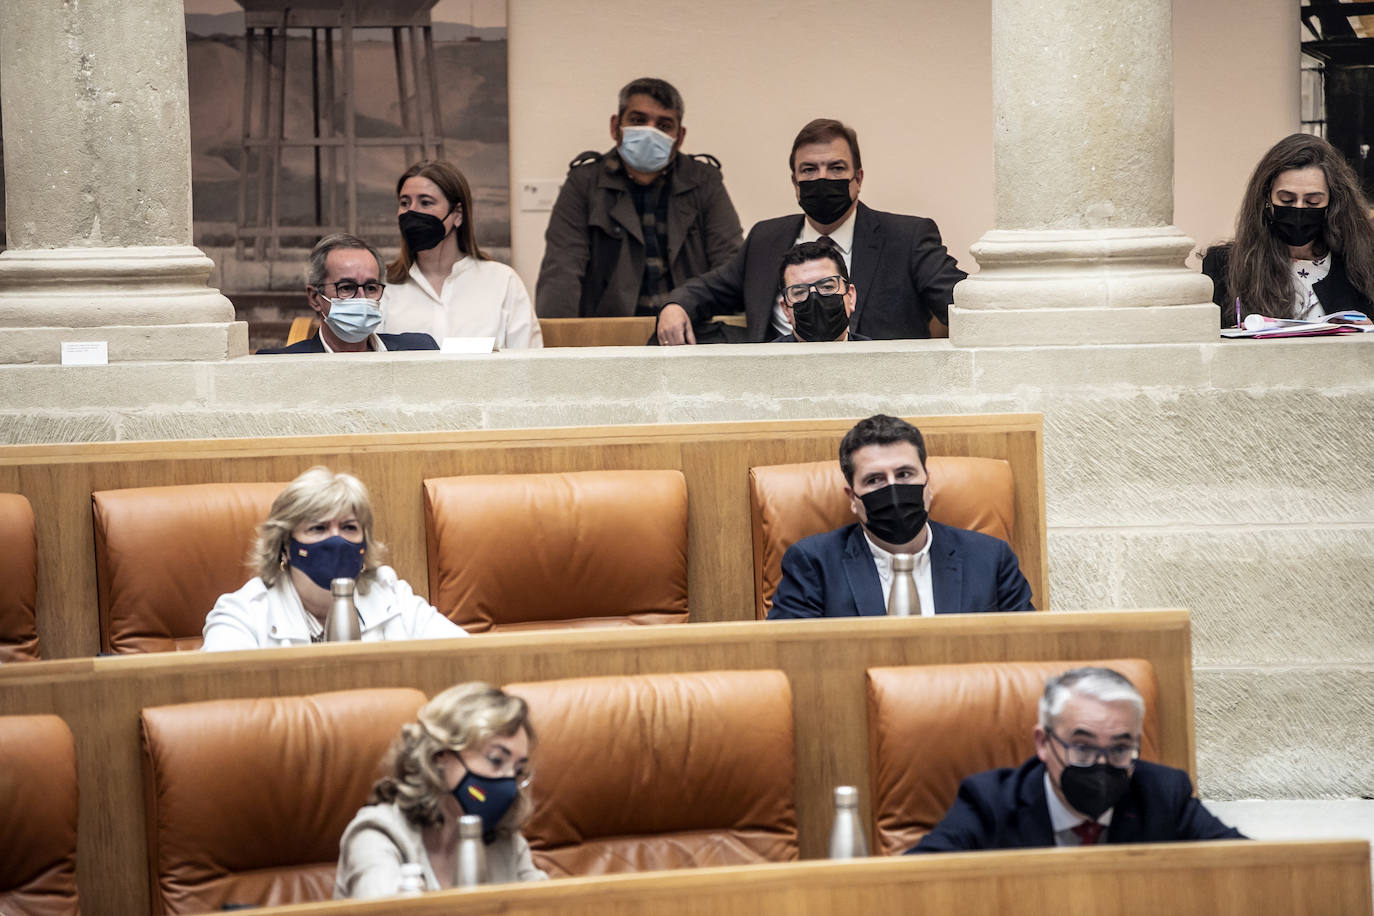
[823, 130]
[455, 188]
[879, 429]
[1258, 270]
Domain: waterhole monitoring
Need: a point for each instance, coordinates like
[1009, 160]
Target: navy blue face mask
[487, 798]
[324, 561]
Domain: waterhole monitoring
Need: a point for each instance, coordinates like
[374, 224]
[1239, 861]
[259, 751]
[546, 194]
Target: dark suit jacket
[833, 575]
[901, 268]
[1335, 291]
[1006, 809]
[409, 341]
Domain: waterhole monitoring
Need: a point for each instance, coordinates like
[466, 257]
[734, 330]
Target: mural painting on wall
[297, 189]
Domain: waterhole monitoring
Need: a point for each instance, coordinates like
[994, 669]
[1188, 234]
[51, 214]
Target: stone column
[98, 186]
[1083, 251]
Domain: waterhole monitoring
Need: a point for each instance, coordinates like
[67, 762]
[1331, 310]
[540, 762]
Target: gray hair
[1101, 684]
[315, 267]
[661, 91]
[316, 493]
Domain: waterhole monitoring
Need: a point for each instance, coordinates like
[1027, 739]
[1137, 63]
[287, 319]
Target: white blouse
[478, 299]
[1306, 274]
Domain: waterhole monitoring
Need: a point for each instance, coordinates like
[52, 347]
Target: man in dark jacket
[1084, 786]
[343, 287]
[632, 223]
[901, 268]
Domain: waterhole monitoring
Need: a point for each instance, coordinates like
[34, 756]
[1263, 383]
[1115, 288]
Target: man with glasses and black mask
[902, 270]
[1084, 786]
[817, 297]
[343, 285]
[848, 572]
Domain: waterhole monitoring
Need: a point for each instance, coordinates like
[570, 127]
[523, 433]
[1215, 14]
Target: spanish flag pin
[477, 793]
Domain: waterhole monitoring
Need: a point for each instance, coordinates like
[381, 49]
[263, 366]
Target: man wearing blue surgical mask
[343, 286]
[632, 222]
[848, 572]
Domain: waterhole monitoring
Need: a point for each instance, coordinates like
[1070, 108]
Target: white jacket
[380, 839]
[256, 617]
[479, 299]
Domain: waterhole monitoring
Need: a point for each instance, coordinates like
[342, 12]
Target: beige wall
[913, 76]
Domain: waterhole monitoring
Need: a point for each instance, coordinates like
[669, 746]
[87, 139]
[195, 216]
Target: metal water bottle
[412, 880]
[902, 600]
[472, 855]
[342, 623]
[847, 840]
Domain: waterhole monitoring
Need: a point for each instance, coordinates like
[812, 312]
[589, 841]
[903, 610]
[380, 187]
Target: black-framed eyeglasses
[347, 289]
[1079, 754]
[826, 286]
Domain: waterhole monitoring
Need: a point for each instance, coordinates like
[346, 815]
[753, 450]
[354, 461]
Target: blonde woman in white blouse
[442, 284]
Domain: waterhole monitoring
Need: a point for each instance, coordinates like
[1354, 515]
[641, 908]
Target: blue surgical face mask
[645, 149]
[353, 320]
[324, 561]
[487, 798]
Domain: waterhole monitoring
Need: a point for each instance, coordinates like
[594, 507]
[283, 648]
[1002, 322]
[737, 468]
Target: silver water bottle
[342, 623]
[902, 599]
[472, 855]
[847, 840]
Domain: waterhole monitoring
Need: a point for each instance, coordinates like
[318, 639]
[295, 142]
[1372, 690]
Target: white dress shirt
[843, 237]
[478, 299]
[924, 589]
[1062, 820]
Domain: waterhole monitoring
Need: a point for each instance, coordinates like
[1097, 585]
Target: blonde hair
[460, 717]
[318, 493]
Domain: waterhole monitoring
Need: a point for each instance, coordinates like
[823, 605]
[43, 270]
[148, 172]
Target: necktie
[825, 240]
[1088, 832]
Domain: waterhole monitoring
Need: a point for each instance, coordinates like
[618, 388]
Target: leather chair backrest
[930, 726]
[38, 821]
[587, 548]
[661, 771]
[165, 554]
[18, 580]
[788, 502]
[247, 799]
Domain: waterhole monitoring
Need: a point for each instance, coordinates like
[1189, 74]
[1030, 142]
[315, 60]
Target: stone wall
[1232, 478]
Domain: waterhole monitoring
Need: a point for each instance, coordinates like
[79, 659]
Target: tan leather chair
[588, 548]
[788, 502]
[164, 554]
[661, 771]
[18, 580]
[930, 726]
[38, 826]
[247, 799]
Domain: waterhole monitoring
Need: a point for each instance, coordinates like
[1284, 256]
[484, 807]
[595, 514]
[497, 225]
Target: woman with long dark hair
[1304, 245]
[442, 284]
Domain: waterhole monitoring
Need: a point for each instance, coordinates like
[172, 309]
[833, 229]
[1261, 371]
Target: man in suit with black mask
[1084, 786]
[902, 270]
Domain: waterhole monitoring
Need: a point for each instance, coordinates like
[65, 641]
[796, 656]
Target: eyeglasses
[1085, 755]
[826, 286]
[347, 289]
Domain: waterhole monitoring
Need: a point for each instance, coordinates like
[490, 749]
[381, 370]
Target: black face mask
[825, 200]
[422, 231]
[896, 513]
[1092, 790]
[820, 317]
[1295, 226]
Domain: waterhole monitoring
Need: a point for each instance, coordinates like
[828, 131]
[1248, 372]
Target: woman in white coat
[467, 753]
[319, 529]
[441, 284]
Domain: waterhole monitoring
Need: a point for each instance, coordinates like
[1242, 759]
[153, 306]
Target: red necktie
[1088, 832]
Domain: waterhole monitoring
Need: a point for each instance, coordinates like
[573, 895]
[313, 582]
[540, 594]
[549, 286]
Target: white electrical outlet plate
[538, 193]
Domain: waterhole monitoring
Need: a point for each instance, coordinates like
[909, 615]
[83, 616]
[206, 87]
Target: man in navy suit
[901, 268]
[848, 572]
[1084, 785]
[343, 286]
